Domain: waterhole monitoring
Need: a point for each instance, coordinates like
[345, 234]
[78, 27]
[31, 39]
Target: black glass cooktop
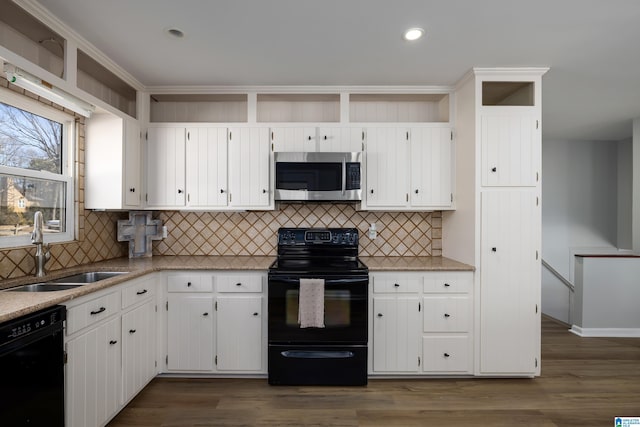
[327, 265]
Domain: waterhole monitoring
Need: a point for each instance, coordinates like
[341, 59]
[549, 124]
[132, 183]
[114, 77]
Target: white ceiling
[592, 91]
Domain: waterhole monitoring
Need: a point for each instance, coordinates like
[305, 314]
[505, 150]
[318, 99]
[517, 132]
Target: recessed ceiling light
[175, 32]
[413, 34]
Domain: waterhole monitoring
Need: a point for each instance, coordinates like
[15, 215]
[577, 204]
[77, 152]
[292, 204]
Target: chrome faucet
[43, 253]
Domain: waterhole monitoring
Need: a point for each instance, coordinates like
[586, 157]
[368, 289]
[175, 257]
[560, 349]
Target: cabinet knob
[372, 191]
[446, 285]
[447, 315]
[132, 331]
[188, 284]
[494, 169]
[255, 314]
[264, 191]
[416, 191]
[205, 314]
[325, 137]
[309, 137]
[142, 292]
[133, 190]
[379, 314]
[494, 249]
[93, 313]
[113, 342]
[221, 191]
[396, 285]
[179, 191]
[238, 284]
[446, 355]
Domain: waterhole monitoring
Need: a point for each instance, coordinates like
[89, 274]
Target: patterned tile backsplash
[228, 233]
[254, 233]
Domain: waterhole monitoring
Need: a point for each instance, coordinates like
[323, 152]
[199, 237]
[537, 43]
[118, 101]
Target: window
[35, 170]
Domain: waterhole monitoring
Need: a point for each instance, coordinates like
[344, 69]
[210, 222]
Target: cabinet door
[387, 167]
[340, 139]
[446, 313]
[510, 150]
[446, 354]
[396, 334]
[239, 333]
[206, 160]
[190, 332]
[138, 349]
[296, 139]
[249, 160]
[166, 167]
[510, 282]
[93, 376]
[132, 164]
[431, 167]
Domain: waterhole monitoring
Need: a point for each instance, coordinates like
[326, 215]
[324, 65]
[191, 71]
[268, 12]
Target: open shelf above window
[508, 94]
[297, 108]
[388, 108]
[26, 36]
[95, 79]
[199, 108]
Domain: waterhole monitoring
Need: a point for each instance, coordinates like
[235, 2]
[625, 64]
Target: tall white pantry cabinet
[497, 226]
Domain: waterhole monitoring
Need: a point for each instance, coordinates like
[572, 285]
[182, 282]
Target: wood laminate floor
[584, 382]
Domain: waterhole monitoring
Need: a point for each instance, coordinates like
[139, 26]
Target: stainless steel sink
[85, 278]
[43, 287]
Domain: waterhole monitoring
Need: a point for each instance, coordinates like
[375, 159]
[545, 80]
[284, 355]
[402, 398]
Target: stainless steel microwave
[318, 176]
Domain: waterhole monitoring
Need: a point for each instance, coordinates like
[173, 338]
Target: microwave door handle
[344, 176]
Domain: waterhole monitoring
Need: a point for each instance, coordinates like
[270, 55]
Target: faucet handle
[47, 251]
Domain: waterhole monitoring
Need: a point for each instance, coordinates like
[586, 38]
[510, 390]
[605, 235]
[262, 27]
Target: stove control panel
[318, 236]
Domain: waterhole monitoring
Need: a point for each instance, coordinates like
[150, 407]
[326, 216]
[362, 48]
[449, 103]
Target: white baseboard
[605, 332]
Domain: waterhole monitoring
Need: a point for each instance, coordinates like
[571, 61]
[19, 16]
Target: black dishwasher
[32, 366]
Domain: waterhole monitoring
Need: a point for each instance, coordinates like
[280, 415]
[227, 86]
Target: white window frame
[69, 137]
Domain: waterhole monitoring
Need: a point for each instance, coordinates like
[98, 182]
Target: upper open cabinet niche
[95, 79]
[297, 108]
[400, 108]
[24, 35]
[508, 94]
[199, 108]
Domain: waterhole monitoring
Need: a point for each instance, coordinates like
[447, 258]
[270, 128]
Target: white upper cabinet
[409, 168]
[387, 160]
[340, 139]
[320, 139]
[296, 139]
[510, 143]
[206, 158]
[112, 163]
[166, 167]
[249, 171]
[431, 165]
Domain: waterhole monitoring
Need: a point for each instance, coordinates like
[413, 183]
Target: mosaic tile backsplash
[254, 233]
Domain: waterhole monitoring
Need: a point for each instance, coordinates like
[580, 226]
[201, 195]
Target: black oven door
[345, 311]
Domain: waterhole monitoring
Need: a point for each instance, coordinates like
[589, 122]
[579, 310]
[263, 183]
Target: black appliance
[335, 354]
[318, 176]
[32, 361]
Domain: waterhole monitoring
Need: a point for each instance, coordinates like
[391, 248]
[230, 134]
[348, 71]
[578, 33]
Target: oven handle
[344, 176]
[316, 354]
[296, 280]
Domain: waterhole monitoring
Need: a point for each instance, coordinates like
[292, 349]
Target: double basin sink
[68, 282]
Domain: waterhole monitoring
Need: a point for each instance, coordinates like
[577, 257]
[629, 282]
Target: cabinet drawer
[396, 284]
[189, 283]
[446, 313]
[137, 291]
[90, 312]
[448, 354]
[239, 283]
[450, 282]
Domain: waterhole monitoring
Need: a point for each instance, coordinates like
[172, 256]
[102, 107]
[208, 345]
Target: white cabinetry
[107, 363]
[216, 322]
[317, 139]
[249, 160]
[166, 167]
[409, 168]
[206, 167]
[112, 163]
[421, 323]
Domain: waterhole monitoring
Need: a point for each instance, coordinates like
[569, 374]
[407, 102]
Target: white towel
[311, 303]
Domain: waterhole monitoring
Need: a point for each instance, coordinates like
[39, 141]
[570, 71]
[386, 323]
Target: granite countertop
[15, 304]
[426, 263]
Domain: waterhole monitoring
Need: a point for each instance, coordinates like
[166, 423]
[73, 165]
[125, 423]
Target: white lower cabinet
[107, 364]
[421, 323]
[93, 379]
[216, 323]
[190, 332]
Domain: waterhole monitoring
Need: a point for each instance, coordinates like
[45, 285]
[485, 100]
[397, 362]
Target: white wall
[625, 194]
